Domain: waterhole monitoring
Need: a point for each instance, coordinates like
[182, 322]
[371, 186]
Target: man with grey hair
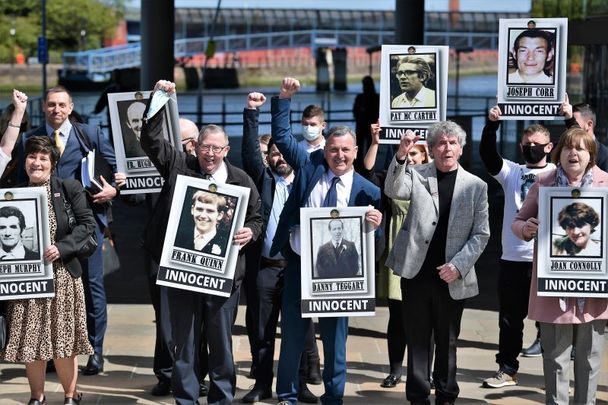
[189, 310]
[413, 74]
[443, 234]
[189, 133]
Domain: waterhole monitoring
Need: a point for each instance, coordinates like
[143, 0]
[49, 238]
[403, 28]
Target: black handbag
[90, 244]
[3, 334]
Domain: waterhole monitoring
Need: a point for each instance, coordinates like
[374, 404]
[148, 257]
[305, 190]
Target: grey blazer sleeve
[398, 183]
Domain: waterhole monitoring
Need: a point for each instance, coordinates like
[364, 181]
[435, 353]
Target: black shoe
[535, 349]
[391, 381]
[34, 401]
[314, 375]
[94, 365]
[73, 400]
[257, 394]
[203, 390]
[306, 396]
[161, 389]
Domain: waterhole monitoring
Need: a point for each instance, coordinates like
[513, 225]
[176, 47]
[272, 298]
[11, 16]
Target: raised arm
[398, 183]
[295, 155]
[250, 151]
[487, 146]
[9, 138]
[160, 151]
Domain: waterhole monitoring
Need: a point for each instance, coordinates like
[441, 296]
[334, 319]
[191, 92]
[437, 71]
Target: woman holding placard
[573, 319]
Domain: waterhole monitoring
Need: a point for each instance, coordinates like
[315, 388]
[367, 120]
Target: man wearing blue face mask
[313, 124]
[515, 270]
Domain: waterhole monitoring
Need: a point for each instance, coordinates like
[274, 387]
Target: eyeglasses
[213, 148]
[406, 72]
[186, 140]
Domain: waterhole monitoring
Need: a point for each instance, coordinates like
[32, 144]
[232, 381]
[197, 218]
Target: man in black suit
[338, 257]
[200, 232]
[188, 310]
[12, 224]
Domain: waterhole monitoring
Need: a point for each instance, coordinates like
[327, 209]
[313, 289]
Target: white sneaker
[500, 379]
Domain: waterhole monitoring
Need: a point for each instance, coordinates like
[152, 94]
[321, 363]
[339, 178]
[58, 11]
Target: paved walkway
[128, 374]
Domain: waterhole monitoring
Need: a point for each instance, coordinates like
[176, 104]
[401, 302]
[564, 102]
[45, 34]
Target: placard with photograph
[413, 89]
[24, 233]
[126, 116]
[198, 253]
[532, 67]
[571, 259]
[337, 262]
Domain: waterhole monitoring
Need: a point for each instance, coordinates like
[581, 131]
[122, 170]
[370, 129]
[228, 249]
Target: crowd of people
[436, 226]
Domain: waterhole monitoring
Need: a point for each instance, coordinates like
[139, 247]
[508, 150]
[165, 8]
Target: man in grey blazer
[443, 235]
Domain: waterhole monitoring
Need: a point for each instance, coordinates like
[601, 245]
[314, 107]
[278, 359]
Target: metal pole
[457, 91]
[44, 36]
[199, 94]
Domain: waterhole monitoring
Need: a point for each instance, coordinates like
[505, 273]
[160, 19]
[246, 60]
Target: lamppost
[13, 31]
[83, 40]
[457, 91]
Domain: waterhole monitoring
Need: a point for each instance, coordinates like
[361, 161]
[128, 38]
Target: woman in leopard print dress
[41, 329]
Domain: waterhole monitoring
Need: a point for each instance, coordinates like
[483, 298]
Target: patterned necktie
[58, 142]
[331, 198]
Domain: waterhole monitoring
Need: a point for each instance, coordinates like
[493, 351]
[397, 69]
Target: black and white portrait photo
[337, 243]
[131, 115]
[206, 222]
[532, 54]
[577, 229]
[413, 82]
[18, 231]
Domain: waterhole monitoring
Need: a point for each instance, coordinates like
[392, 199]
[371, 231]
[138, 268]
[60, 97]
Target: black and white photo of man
[533, 57]
[12, 225]
[413, 74]
[199, 231]
[339, 257]
[132, 129]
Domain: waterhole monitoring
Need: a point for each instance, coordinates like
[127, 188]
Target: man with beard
[265, 272]
[413, 73]
[515, 271]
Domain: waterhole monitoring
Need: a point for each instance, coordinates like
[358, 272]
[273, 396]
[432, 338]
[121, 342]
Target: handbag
[90, 244]
[111, 261]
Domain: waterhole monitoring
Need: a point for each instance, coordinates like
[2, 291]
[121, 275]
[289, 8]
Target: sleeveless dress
[49, 328]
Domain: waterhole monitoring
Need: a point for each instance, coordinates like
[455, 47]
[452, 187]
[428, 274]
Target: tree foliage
[66, 20]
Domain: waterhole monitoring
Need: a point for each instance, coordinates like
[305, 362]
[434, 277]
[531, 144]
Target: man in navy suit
[75, 140]
[314, 174]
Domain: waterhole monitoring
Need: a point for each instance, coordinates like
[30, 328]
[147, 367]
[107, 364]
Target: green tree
[66, 20]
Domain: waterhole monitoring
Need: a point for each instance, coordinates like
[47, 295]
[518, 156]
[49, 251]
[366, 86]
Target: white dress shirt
[317, 196]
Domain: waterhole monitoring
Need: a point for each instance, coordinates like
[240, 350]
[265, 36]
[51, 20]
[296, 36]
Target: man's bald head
[189, 134]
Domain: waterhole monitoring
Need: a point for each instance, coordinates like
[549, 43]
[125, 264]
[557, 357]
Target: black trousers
[428, 305]
[513, 296]
[396, 336]
[163, 355]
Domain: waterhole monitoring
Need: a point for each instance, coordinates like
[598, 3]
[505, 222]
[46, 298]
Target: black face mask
[533, 154]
